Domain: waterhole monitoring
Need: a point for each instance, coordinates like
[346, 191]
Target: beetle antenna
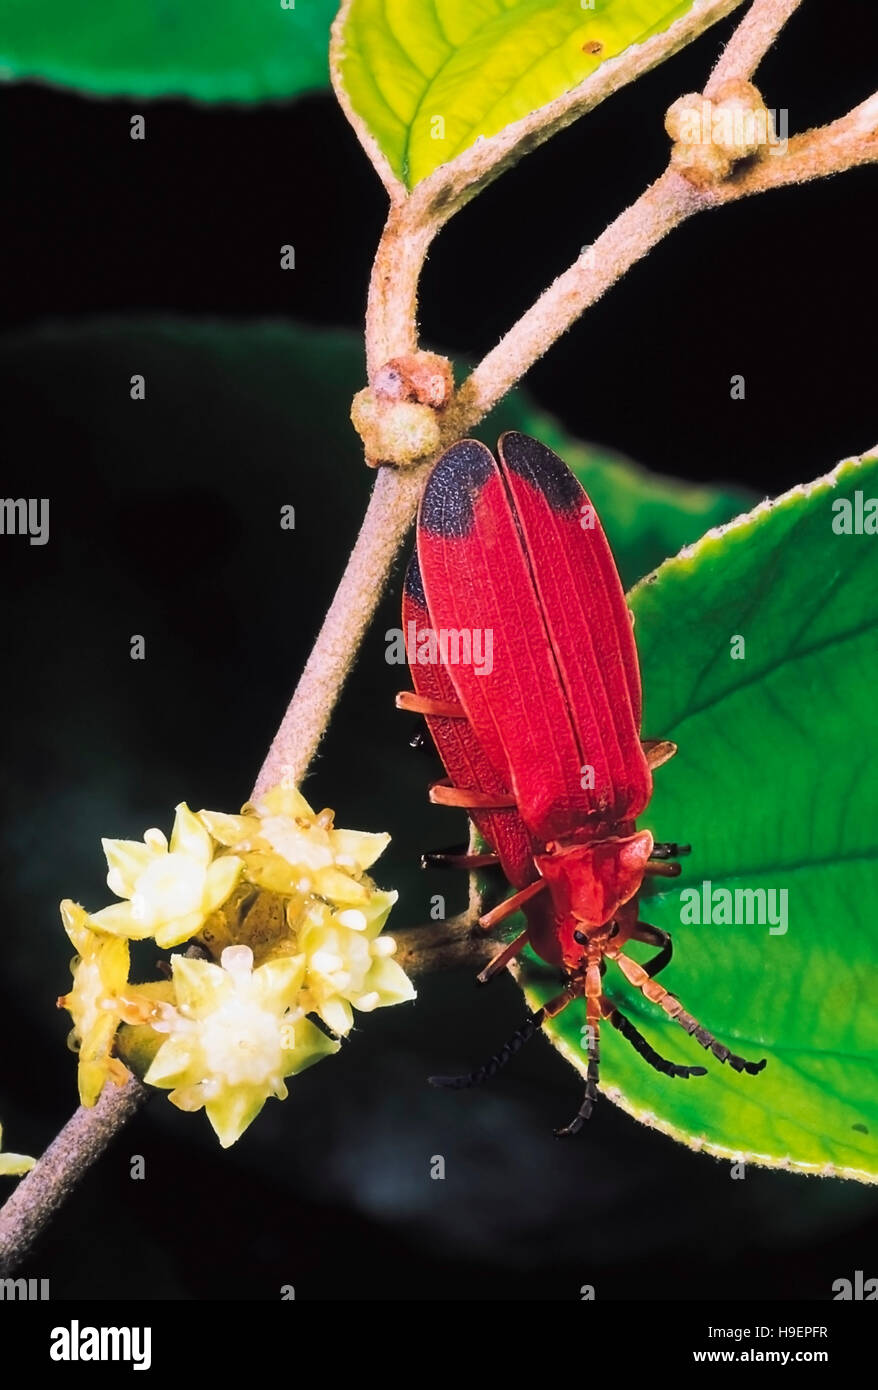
[490, 1068]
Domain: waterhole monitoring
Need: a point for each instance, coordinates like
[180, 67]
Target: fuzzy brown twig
[48, 1185]
[391, 332]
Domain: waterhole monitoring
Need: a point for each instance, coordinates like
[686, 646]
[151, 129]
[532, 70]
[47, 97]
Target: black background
[331, 1191]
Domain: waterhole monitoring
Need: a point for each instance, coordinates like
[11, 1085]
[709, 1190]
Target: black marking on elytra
[414, 583]
[544, 471]
[453, 486]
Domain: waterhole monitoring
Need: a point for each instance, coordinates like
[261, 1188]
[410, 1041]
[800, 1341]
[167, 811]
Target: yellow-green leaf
[427, 78]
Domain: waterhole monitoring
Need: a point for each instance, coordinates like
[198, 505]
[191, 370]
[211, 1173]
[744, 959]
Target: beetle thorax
[589, 883]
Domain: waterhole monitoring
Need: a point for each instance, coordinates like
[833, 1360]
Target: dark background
[165, 523]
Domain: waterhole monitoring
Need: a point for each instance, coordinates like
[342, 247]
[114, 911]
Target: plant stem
[391, 312]
[850, 141]
[846, 143]
[388, 517]
[669, 201]
[444, 946]
[751, 41]
[416, 216]
[49, 1183]
[392, 330]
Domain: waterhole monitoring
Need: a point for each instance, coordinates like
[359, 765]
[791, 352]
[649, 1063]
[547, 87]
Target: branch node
[712, 135]
[398, 417]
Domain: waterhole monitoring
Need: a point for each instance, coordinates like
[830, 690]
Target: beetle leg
[593, 1036]
[443, 794]
[657, 751]
[423, 704]
[512, 904]
[457, 859]
[658, 865]
[654, 936]
[639, 1043]
[657, 994]
[496, 963]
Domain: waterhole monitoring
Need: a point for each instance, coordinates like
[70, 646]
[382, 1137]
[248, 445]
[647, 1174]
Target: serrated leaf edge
[450, 185]
[697, 1143]
[700, 1143]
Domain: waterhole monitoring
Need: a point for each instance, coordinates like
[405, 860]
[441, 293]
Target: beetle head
[590, 883]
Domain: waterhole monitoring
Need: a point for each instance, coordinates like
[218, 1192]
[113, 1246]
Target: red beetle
[522, 654]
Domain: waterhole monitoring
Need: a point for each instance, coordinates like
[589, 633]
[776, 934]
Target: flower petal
[199, 984]
[126, 861]
[229, 830]
[173, 1065]
[119, 919]
[337, 1014]
[377, 910]
[114, 962]
[358, 846]
[189, 836]
[94, 1056]
[278, 981]
[390, 981]
[232, 1111]
[306, 850]
[270, 871]
[181, 929]
[311, 1044]
[285, 801]
[13, 1165]
[340, 888]
[77, 925]
[220, 879]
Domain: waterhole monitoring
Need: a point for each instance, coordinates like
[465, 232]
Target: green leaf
[776, 786]
[231, 50]
[646, 516]
[428, 77]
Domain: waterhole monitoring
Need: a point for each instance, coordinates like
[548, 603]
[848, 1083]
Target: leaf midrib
[474, 36]
[790, 659]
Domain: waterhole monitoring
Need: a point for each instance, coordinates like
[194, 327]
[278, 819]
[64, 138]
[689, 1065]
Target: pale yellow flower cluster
[13, 1165]
[277, 882]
